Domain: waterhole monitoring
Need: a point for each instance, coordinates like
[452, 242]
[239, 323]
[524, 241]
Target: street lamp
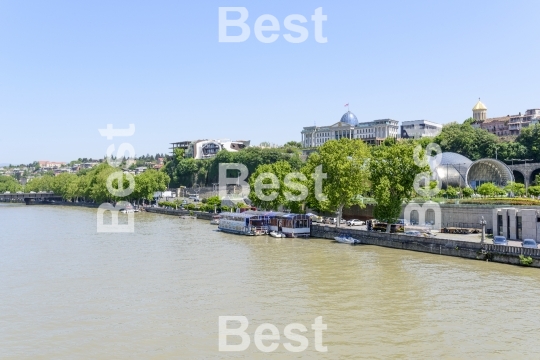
[483, 223]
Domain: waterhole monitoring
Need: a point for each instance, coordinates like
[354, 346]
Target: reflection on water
[69, 292]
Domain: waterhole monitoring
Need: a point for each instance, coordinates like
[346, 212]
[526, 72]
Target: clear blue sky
[68, 68]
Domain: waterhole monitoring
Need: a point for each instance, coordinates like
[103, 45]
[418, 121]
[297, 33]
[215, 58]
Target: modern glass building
[489, 170]
[458, 171]
[451, 170]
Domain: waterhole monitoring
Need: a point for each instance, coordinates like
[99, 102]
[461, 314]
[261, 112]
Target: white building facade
[372, 132]
[416, 129]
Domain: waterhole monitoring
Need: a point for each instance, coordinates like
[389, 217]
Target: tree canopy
[345, 163]
[92, 184]
[392, 172]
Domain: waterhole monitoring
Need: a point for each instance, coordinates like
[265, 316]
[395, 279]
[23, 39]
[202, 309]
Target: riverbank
[439, 246]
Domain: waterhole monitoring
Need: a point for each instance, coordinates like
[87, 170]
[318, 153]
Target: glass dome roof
[489, 170]
[451, 169]
[349, 118]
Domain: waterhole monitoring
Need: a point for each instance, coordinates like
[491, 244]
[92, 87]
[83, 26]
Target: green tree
[147, 183]
[451, 192]
[8, 183]
[467, 192]
[516, 188]
[269, 175]
[469, 121]
[345, 163]
[534, 190]
[529, 138]
[487, 189]
[294, 144]
[393, 171]
[473, 143]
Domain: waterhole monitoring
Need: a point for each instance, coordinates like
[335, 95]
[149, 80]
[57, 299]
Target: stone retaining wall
[448, 247]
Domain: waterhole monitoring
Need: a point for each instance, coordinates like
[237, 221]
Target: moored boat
[129, 209]
[276, 234]
[215, 220]
[345, 239]
[246, 223]
[295, 225]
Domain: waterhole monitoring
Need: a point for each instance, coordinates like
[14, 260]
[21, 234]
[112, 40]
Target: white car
[7, 192]
[354, 222]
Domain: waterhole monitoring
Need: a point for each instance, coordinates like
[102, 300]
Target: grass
[501, 201]
[484, 201]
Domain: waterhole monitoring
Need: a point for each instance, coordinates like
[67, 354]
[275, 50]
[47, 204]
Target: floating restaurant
[246, 223]
[262, 223]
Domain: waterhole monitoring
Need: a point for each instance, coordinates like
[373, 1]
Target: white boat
[276, 234]
[345, 239]
[128, 210]
[215, 220]
[246, 223]
[290, 225]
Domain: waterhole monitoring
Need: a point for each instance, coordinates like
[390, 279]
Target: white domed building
[372, 132]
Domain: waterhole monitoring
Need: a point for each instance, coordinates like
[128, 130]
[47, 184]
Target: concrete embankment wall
[197, 214]
[448, 247]
[65, 203]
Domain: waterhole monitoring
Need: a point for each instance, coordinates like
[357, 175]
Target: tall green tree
[267, 185]
[529, 138]
[344, 163]
[393, 171]
[473, 143]
[8, 183]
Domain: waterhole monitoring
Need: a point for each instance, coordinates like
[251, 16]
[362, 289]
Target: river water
[69, 292]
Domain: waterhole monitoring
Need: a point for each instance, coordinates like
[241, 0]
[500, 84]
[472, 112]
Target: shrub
[501, 201]
[488, 189]
[516, 188]
[167, 203]
[451, 192]
[467, 192]
[525, 261]
[534, 190]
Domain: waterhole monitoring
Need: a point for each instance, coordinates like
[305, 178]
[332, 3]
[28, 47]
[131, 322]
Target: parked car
[316, 219]
[529, 244]
[7, 192]
[413, 233]
[402, 222]
[500, 240]
[355, 222]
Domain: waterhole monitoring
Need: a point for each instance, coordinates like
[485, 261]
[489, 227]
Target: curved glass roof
[489, 170]
[451, 169]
